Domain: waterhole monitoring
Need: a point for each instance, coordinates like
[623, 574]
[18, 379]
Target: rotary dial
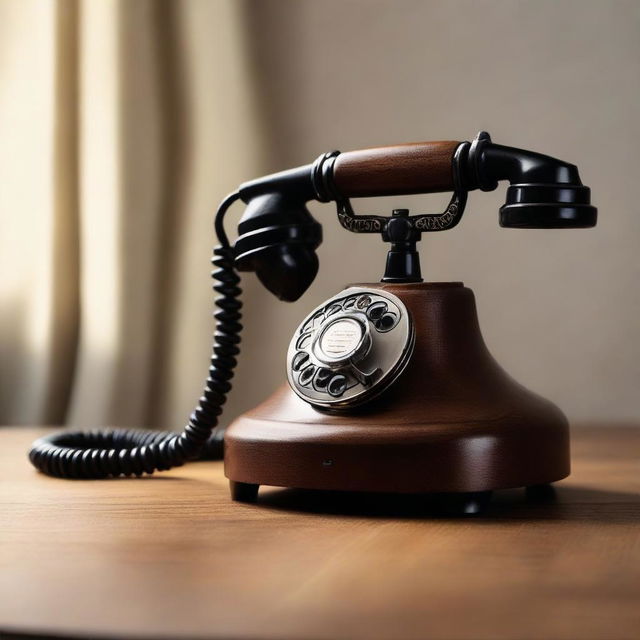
[350, 349]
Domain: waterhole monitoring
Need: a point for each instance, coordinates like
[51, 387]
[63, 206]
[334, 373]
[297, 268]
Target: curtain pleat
[33, 285]
[123, 123]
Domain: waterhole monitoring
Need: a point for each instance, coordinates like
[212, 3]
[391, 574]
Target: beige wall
[559, 309]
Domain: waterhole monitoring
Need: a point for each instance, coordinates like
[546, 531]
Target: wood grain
[416, 167]
[172, 556]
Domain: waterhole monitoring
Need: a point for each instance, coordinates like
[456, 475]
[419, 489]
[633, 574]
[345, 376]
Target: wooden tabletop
[172, 556]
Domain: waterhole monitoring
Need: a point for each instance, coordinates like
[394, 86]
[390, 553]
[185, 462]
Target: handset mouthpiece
[278, 235]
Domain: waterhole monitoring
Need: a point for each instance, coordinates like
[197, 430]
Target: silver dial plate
[350, 348]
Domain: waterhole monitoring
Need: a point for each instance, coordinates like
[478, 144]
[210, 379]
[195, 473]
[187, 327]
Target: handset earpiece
[544, 192]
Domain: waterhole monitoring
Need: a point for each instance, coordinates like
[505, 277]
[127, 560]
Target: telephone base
[453, 423]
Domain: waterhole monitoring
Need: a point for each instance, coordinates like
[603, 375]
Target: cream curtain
[122, 123]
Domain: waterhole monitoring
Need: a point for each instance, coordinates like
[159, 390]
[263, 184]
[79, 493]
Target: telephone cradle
[390, 388]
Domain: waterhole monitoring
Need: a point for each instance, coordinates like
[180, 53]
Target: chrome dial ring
[350, 348]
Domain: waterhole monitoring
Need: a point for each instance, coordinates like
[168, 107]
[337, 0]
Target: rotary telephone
[390, 387]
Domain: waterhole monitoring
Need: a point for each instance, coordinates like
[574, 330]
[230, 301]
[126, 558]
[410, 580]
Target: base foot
[466, 504]
[243, 491]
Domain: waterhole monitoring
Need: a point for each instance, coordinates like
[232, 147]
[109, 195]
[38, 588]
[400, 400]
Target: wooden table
[172, 556]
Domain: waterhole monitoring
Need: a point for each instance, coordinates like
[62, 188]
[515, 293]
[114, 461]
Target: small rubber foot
[243, 491]
[466, 504]
[540, 493]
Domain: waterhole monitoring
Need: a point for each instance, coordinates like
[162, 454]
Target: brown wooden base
[453, 422]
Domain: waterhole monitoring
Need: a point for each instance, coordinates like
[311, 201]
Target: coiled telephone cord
[107, 453]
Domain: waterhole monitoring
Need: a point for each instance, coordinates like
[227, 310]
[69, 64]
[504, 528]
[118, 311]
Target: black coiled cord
[124, 452]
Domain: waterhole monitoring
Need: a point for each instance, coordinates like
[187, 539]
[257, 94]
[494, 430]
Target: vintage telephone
[391, 388]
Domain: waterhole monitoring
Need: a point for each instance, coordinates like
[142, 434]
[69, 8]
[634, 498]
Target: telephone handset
[355, 346]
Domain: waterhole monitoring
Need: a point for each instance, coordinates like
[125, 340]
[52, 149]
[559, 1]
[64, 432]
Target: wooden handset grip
[417, 167]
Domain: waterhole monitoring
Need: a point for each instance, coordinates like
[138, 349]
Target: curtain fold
[30, 201]
[122, 124]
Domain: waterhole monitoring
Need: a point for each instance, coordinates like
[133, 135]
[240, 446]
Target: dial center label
[341, 338]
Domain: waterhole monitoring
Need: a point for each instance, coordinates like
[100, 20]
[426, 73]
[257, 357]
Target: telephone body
[390, 387]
